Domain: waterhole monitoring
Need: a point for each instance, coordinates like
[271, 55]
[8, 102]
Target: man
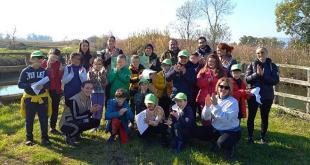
[203, 47]
[172, 52]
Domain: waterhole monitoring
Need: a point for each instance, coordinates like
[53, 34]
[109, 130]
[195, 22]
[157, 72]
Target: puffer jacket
[162, 85]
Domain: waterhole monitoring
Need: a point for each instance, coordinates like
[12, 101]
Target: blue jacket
[112, 112]
[186, 120]
[265, 82]
[182, 82]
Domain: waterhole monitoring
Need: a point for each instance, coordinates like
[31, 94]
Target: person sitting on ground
[140, 95]
[77, 116]
[118, 114]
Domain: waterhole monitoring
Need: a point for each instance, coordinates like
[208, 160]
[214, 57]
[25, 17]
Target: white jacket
[224, 115]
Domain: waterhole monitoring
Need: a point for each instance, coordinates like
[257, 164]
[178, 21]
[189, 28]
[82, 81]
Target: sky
[78, 19]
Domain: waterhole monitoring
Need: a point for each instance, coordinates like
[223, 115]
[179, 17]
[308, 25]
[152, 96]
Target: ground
[289, 143]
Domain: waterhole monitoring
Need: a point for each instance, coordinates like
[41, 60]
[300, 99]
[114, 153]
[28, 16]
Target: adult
[76, 117]
[172, 52]
[154, 62]
[222, 109]
[224, 52]
[207, 79]
[183, 78]
[110, 51]
[264, 74]
[86, 58]
[203, 48]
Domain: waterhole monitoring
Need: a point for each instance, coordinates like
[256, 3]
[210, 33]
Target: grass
[289, 143]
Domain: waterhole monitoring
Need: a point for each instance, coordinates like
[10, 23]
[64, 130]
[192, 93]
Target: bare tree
[214, 11]
[12, 37]
[187, 14]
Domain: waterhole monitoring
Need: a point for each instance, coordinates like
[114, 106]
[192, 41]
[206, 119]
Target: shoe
[45, 142]
[263, 140]
[29, 143]
[55, 132]
[70, 141]
[229, 154]
[250, 140]
[111, 139]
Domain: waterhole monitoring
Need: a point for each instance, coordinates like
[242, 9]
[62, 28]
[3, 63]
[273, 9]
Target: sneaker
[45, 142]
[70, 141]
[250, 140]
[55, 132]
[263, 140]
[29, 143]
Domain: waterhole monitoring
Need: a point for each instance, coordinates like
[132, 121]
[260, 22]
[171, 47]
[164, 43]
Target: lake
[10, 89]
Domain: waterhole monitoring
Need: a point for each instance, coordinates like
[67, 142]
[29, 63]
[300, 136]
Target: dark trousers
[264, 112]
[74, 128]
[180, 132]
[224, 140]
[31, 110]
[165, 103]
[55, 108]
[159, 129]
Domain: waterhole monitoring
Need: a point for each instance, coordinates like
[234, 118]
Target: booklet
[41, 82]
[141, 125]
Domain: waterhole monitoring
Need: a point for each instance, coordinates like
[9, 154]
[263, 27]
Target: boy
[119, 77]
[32, 103]
[140, 95]
[118, 114]
[181, 121]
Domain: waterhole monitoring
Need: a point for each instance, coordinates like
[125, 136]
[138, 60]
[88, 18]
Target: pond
[10, 90]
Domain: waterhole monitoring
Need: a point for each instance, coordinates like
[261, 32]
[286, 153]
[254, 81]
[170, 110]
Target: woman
[207, 79]
[87, 58]
[224, 52]
[264, 74]
[109, 52]
[154, 62]
[222, 109]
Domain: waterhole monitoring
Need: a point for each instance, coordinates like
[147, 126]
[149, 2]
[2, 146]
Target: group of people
[176, 90]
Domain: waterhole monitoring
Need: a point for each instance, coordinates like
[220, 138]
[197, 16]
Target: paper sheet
[146, 73]
[141, 125]
[41, 82]
[255, 92]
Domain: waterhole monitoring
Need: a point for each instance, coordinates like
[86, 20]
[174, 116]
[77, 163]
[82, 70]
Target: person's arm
[129, 113]
[170, 74]
[22, 81]
[111, 113]
[187, 118]
[83, 74]
[67, 77]
[124, 76]
[231, 110]
[206, 113]
[159, 82]
[111, 75]
[46, 85]
[273, 78]
[250, 75]
[189, 76]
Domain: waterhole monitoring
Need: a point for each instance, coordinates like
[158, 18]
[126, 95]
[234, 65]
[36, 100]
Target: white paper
[146, 73]
[41, 82]
[255, 92]
[142, 126]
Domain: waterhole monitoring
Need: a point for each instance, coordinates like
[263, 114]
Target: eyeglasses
[224, 87]
[260, 53]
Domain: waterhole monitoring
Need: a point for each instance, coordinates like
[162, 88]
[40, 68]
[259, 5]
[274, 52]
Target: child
[136, 69]
[163, 87]
[118, 114]
[32, 103]
[74, 76]
[140, 95]
[54, 71]
[154, 118]
[119, 76]
[97, 75]
[181, 121]
[239, 92]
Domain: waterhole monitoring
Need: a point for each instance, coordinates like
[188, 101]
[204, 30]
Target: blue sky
[80, 19]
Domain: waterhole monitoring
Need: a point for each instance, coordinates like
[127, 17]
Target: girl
[86, 57]
[224, 52]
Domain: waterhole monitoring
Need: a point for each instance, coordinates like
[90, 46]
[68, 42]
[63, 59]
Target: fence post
[308, 92]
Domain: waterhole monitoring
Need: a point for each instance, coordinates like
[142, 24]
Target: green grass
[289, 143]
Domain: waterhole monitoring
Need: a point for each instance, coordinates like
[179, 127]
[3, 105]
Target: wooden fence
[277, 93]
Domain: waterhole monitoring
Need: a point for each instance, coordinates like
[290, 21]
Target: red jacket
[240, 95]
[206, 87]
[54, 74]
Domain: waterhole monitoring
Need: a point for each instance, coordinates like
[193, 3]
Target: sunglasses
[224, 87]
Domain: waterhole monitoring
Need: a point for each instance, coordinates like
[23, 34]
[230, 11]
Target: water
[10, 90]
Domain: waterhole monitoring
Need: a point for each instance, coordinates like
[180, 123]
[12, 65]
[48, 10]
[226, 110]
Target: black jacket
[265, 82]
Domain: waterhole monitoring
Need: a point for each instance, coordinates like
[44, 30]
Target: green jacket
[118, 79]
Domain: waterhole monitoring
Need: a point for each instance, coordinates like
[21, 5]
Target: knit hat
[150, 99]
[167, 62]
[180, 96]
[183, 53]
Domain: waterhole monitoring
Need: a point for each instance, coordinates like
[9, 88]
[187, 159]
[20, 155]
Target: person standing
[172, 52]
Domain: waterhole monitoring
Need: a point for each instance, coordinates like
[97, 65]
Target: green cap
[180, 96]
[236, 67]
[37, 53]
[150, 98]
[183, 53]
[167, 62]
[143, 81]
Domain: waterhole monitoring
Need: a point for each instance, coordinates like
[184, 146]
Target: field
[289, 143]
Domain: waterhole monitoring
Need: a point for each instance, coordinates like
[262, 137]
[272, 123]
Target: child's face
[121, 63]
[165, 67]
[150, 106]
[236, 74]
[135, 62]
[120, 100]
[181, 103]
[76, 60]
[144, 86]
[211, 63]
[53, 58]
[97, 65]
[194, 59]
[36, 61]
